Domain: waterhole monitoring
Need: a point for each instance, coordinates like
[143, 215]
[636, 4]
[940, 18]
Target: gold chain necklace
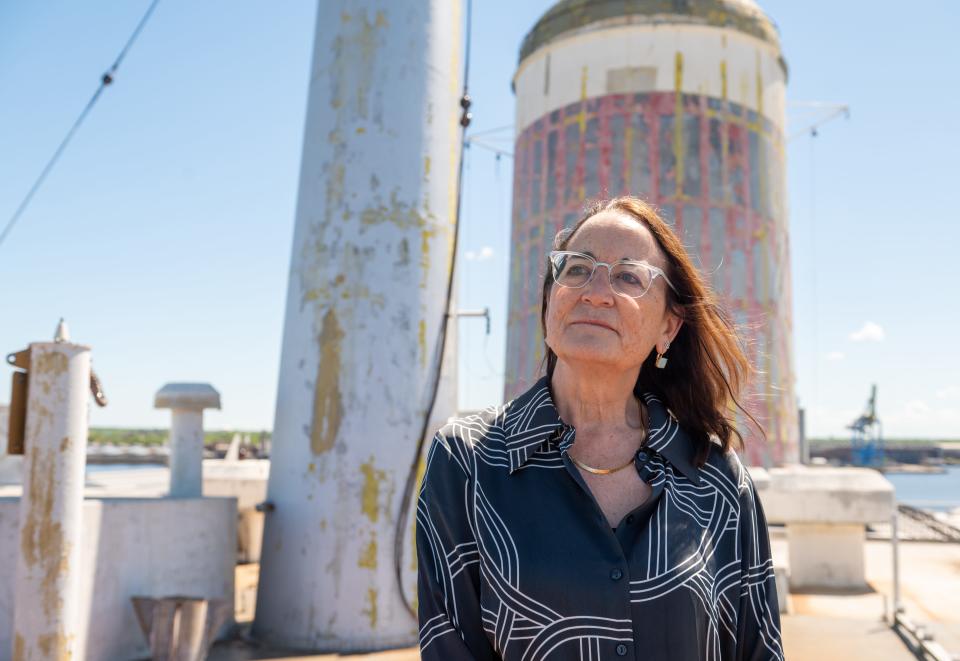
[599, 471]
[608, 471]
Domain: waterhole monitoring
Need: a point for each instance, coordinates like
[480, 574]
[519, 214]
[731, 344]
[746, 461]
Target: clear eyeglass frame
[556, 256]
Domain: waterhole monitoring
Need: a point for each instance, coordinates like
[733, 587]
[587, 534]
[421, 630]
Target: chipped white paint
[130, 546]
[186, 402]
[371, 253]
[47, 585]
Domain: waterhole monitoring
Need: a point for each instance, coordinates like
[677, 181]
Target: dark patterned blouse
[517, 562]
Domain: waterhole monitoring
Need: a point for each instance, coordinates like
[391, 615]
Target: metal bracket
[485, 313]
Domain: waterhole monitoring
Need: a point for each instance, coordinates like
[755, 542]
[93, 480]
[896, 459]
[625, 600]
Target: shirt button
[630, 519]
[616, 574]
[621, 650]
[642, 455]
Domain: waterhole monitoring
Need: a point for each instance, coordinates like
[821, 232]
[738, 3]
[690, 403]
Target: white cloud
[950, 392]
[485, 253]
[916, 407]
[835, 355]
[870, 332]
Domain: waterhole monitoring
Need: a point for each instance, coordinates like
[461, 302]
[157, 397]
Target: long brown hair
[707, 366]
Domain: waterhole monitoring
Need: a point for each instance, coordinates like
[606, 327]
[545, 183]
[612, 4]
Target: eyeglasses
[630, 278]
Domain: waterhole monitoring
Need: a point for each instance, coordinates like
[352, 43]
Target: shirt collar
[533, 421]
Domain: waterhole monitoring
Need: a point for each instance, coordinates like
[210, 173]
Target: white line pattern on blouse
[475, 599]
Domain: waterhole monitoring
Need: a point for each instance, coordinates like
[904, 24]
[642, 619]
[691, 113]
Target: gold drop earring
[661, 360]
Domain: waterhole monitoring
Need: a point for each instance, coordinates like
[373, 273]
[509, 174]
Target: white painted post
[186, 401]
[48, 582]
[365, 299]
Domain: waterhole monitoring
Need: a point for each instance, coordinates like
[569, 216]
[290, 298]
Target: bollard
[46, 593]
[187, 402]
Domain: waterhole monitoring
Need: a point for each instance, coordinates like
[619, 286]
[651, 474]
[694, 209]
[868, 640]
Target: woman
[603, 513]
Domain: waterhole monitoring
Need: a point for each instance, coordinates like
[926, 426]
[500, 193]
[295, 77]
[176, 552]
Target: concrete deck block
[827, 495]
[825, 510]
[826, 555]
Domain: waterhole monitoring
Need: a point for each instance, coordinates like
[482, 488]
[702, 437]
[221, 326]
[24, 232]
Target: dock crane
[866, 443]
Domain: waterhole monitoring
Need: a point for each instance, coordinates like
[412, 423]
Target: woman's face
[593, 324]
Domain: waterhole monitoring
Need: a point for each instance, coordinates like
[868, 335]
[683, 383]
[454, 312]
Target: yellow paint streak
[367, 41]
[425, 236]
[759, 83]
[724, 133]
[55, 646]
[370, 493]
[398, 214]
[361, 130]
[327, 401]
[763, 182]
[453, 123]
[582, 118]
[19, 648]
[335, 184]
[371, 610]
[426, 167]
[42, 541]
[422, 341]
[678, 122]
[368, 558]
[51, 363]
[723, 79]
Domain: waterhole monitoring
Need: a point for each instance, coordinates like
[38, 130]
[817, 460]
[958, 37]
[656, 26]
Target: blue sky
[163, 237]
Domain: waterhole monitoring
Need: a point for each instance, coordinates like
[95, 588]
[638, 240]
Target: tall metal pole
[895, 549]
[365, 299]
[46, 595]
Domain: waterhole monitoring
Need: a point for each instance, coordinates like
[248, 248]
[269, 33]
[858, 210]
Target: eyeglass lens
[627, 279]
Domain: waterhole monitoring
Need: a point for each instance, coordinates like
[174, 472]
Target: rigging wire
[105, 80]
[406, 496]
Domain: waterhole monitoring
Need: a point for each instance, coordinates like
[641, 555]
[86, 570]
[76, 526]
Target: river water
[930, 491]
